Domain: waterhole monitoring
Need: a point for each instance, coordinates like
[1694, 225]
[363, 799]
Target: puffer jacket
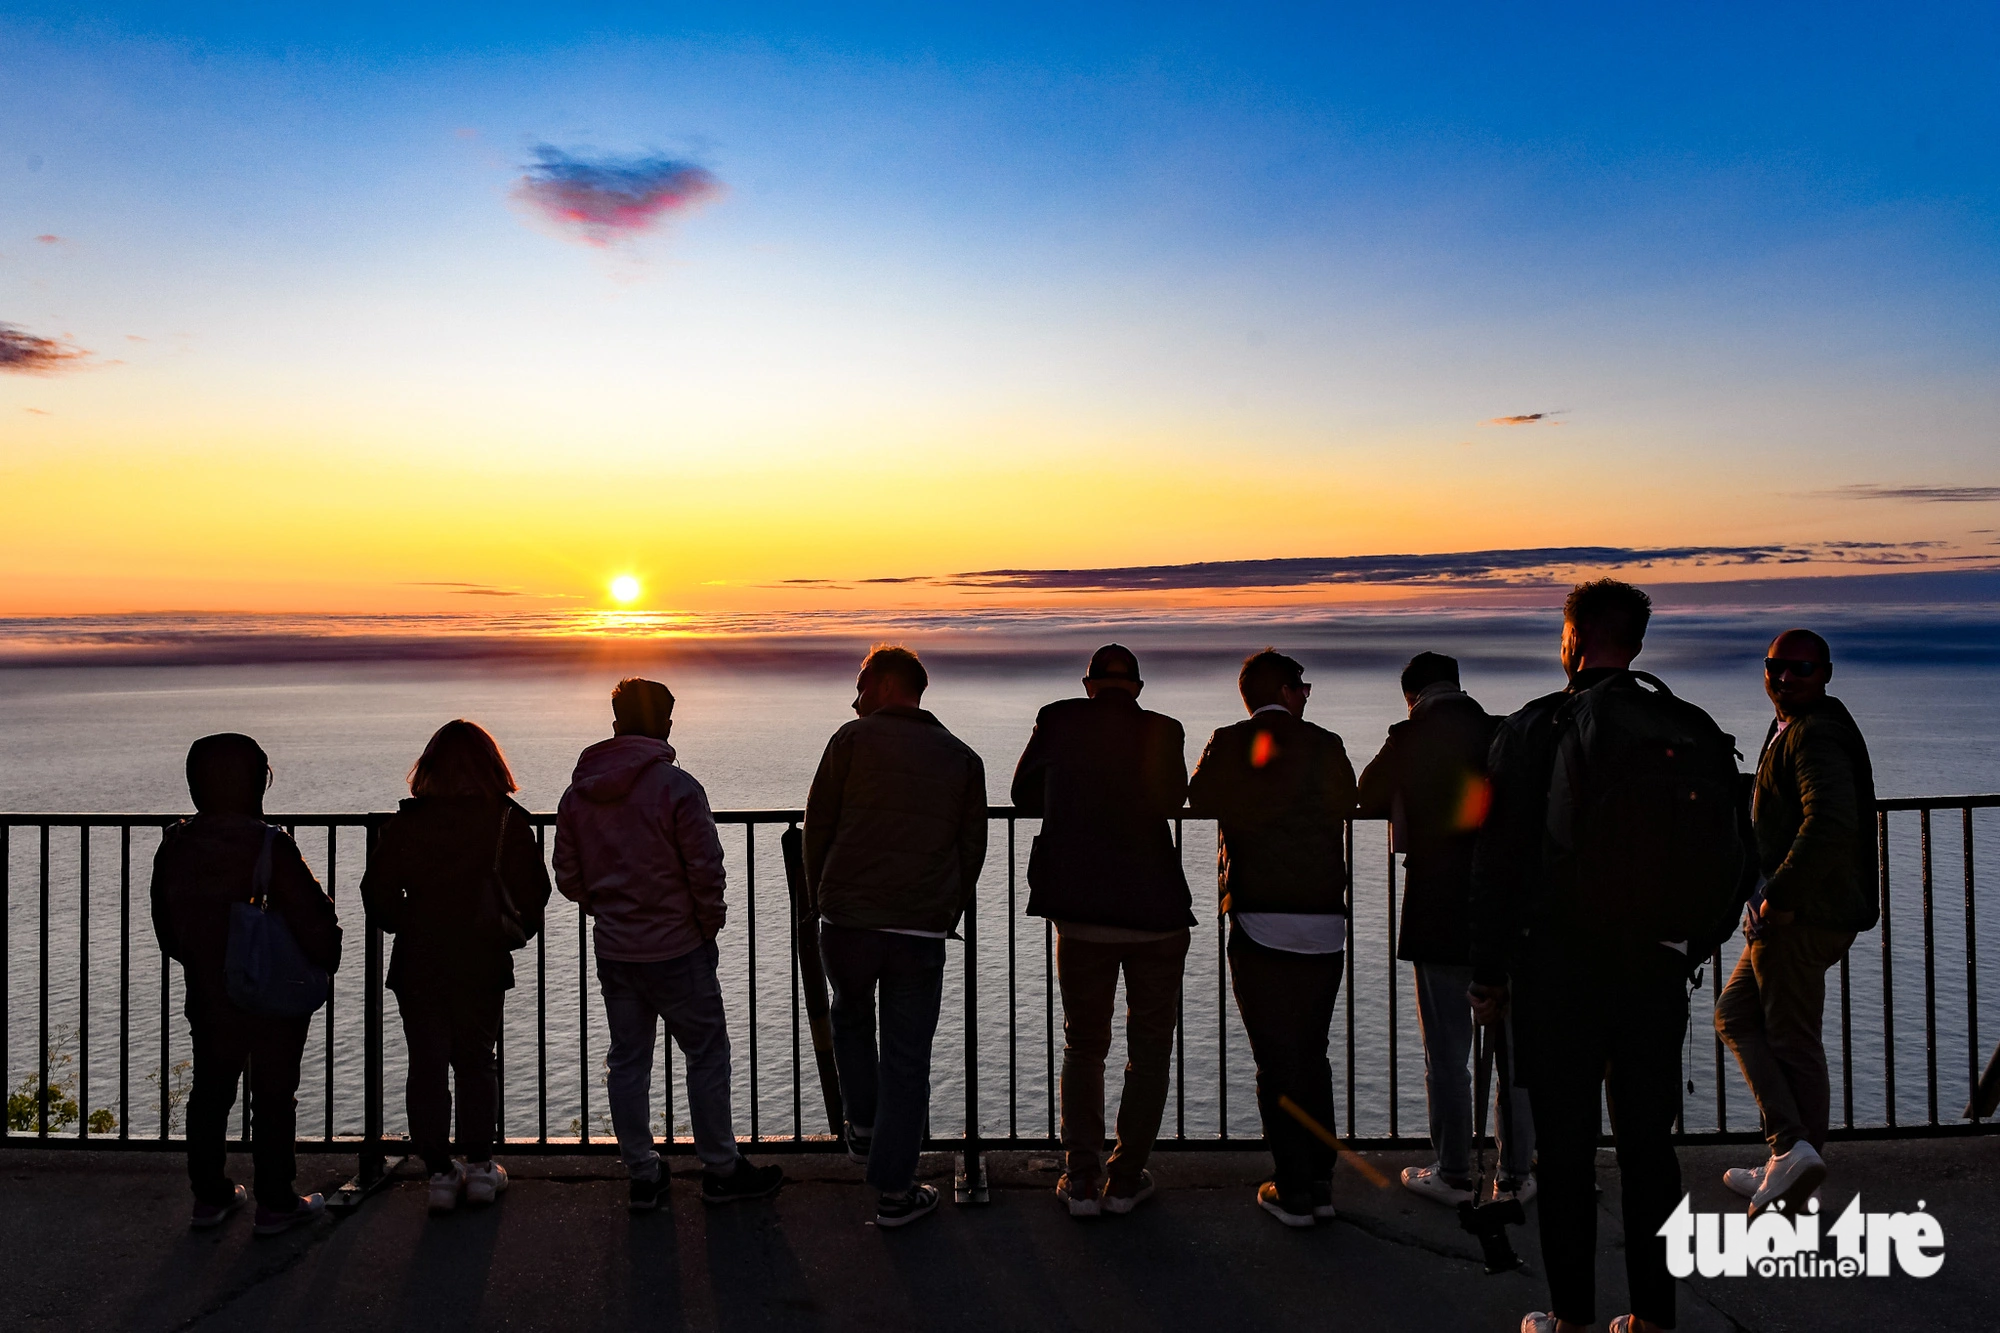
[636, 845]
[1815, 815]
[1281, 791]
[428, 881]
[207, 864]
[895, 830]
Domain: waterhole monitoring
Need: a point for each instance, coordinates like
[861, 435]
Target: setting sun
[624, 588]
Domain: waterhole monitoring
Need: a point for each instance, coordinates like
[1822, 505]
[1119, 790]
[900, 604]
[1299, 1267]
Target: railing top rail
[70, 819]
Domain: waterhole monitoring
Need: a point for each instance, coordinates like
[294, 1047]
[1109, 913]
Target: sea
[96, 714]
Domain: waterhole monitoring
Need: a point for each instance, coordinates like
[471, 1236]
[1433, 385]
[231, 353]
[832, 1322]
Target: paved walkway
[99, 1241]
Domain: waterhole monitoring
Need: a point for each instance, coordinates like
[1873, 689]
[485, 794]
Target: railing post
[1930, 977]
[970, 1186]
[1888, 972]
[1971, 977]
[373, 1159]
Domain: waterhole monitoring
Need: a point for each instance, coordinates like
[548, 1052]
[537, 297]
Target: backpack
[264, 969]
[1648, 835]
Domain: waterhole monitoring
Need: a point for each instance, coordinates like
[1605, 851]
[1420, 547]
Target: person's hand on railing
[1489, 1003]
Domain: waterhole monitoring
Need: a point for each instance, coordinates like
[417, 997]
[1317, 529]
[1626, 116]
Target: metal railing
[55, 1102]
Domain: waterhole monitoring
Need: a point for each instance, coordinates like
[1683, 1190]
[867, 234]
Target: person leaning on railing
[205, 867]
[895, 836]
[636, 846]
[1282, 790]
[457, 877]
[1814, 808]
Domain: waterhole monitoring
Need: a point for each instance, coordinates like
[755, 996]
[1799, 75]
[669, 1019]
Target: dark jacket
[205, 865]
[1281, 791]
[636, 845]
[1815, 815]
[1508, 861]
[1105, 776]
[428, 881]
[1430, 780]
[895, 830]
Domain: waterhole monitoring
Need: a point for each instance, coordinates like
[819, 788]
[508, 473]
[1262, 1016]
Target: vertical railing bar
[332, 872]
[6, 950]
[83, 983]
[1013, 1012]
[1846, 1041]
[971, 1168]
[1391, 883]
[373, 1158]
[42, 1098]
[124, 981]
[1222, 1026]
[1721, 1082]
[583, 1019]
[1049, 1016]
[798, 1068]
[542, 1006]
[1347, 839]
[1971, 975]
[166, 984]
[1930, 974]
[1180, 1027]
[750, 897]
[499, 1044]
[1888, 973]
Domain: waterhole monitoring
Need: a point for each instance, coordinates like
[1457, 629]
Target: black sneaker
[898, 1212]
[745, 1182]
[859, 1141]
[645, 1194]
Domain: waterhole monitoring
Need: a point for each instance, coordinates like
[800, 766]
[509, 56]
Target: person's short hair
[642, 706]
[1114, 661]
[1428, 669]
[462, 759]
[1265, 676]
[1819, 645]
[227, 774]
[900, 665]
[1616, 610]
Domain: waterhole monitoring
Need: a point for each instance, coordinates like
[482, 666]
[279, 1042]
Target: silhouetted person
[1429, 782]
[1814, 811]
[636, 846]
[457, 877]
[1106, 777]
[1611, 854]
[895, 837]
[204, 867]
[1282, 790]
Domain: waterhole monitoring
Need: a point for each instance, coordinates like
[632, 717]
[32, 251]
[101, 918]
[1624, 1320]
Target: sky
[479, 308]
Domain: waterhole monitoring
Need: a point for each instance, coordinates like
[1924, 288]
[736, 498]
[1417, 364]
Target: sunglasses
[1778, 667]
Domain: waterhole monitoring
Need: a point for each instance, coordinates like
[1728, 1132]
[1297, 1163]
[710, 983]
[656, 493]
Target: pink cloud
[609, 199]
[24, 353]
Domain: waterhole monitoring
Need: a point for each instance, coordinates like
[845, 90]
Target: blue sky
[1750, 258]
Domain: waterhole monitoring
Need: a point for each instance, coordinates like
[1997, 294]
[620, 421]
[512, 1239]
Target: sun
[625, 588]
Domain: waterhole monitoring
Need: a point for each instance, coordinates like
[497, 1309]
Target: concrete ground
[99, 1241]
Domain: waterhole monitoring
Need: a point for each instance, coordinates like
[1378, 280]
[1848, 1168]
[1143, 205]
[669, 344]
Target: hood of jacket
[608, 770]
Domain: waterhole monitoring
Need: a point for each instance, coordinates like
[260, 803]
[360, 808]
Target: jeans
[451, 1032]
[1610, 1028]
[225, 1038]
[1286, 1000]
[1088, 975]
[1446, 1019]
[1769, 1014]
[684, 993]
[889, 1091]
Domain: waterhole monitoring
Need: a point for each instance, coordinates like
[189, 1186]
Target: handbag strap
[260, 876]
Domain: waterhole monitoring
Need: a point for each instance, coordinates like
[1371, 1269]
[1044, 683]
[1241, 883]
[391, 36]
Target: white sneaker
[1523, 1189]
[1744, 1180]
[484, 1182]
[1120, 1204]
[1429, 1181]
[446, 1186]
[1789, 1179]
[1273, 1203]
[1080, 1197]
[1538, 1322]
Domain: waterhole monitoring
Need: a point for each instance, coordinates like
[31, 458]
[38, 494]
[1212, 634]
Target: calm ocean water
[106, 733]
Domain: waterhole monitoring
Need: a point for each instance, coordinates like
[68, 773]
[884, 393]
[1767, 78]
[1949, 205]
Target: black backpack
[1648, 835]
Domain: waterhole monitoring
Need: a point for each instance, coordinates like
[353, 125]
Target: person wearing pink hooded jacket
[636, 846]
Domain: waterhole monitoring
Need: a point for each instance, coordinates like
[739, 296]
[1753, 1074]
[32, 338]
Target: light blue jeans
[1446, 1017]
[682, 991]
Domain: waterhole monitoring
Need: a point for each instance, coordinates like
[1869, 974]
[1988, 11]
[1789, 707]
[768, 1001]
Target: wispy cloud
[1522, 567]
[24, 353]
[1530, 418]
[606, 199]
[466, 589]
[1930, 494]
[49, 238]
